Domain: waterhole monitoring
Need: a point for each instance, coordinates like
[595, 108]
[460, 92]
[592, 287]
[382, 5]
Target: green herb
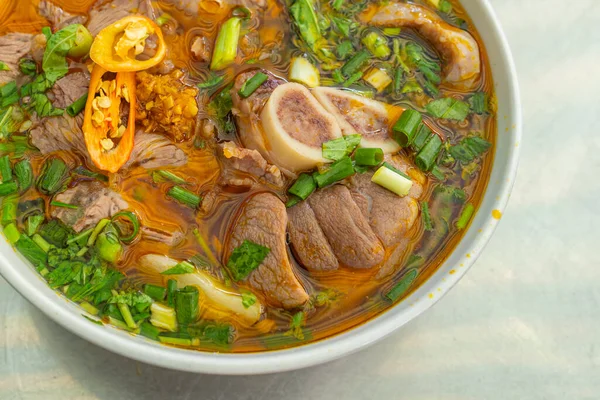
[63, 205]
[377, 45]
[133, 220]
[9, 94]
[426, 216]
[5, 169]
[12, 233]
[403, 285]
[163, 19]
[212, 82]
[355, 63]
[108, 245]
[9, 209]
[181, 268]
[427, 156]
[368, 157]
[465, 216]
[43, 107]
[86, 172]
[4, 67]
[343, 25]
[469, 149]
[24, 174]
[56, 233]
[248, 299]
[171, 289]
[337, 4]
[31, 251]
[344, 49]
[337, 171]
[246, 258]
[445, 6]
[162, 175]
[10, 121]
[296, 326]
[337, 148]
[46, 31]
[77, 106]
[448, 108]
[157, 293]
[27, 66]
[33, 223]
[406, 127]
[292, 201]
[67, 41]
[8, 188]
[479, 103]
[150, 331]
[221, 105]
[306, 21]
[212, 333]
[132, 298]
[53, 177]
[184, 196]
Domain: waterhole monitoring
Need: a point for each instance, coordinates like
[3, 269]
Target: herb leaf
[55, 63]
[448, 108]
[183, 267]
[246, 258]
[248, 299]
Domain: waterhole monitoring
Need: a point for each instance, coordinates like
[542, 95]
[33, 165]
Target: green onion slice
[135, 225]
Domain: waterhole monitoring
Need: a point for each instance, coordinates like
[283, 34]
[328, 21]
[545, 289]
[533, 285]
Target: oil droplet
[452, 271]
[462, 265]
[431, 295]
[496, 214]
[439, 289]
[468, 255]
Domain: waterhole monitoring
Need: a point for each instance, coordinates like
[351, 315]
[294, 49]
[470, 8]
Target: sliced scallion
[157, 293]
[183, 267]
[8, 188]
[77, 106]
[337, 171]
[355, 63]
[422, 136]
[63, 205]
[5, 169]
[368, 156]
[406, 127]
[403, 285]
[12, 233]
[226, 45]
[186, 305]
[163, 317]
[184, 196]
[392, 181]
[427, 157]
[171, 289]
[303, 187]
[252, 84]
[24, 174]
[9, 209]
[135, 225]
[465, 216]
[426, 216]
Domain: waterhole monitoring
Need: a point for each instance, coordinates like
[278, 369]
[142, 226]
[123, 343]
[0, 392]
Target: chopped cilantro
[246, 258]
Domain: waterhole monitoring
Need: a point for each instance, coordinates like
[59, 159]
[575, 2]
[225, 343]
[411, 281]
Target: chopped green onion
[40, 241]
[125, 312]
[426, 216]
[353, 79]
[406, 127]
[183, 267]
[86, 172]
[163, 317]
[392, 181]
[422, 136]
[337, 171]
[157, 293]
[226, 46]
[9, 209]
[211, 82]
[369, 157]
[89, 308]
[479, 103]
[97, 230]
[377, 45]
[24, 174]
[205, 247]
[306, 20]
[108, 246]
[337, 148]
[465, 216]
[252, 84]
[81, 238]
[403, 285]
[5, 169]
[8, 188]
[77, 106]
[448, 108]
[427, 157]
[437, 173]
[292, 201]
[248, 299]
[303, 71]
[398, 77]
[343, 50]
[149, 331]
[396, 170]
[392, 31]
[135, 223]
[54, 175]
[337, 4]
[184, 196]
[186, 305]
[63, 205]
[303, 187]
[175, 339]
[12, 233]
[171, 289]
[4, 67]
[163, 19]
[355, 63]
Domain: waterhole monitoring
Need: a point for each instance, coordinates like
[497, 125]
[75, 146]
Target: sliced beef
[346, 228]
[247, 111]
[248, 162]
[192, 7]
[69, 88]
[155, 151]
[170, 238]
[95, 202]
[311, 247]
[263, 221]
[59, 133]
[104, 13]
[390, 216]
[57, 17]
[13, 47]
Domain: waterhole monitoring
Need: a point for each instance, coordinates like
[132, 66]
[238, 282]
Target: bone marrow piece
[357, 114]
[296, 126]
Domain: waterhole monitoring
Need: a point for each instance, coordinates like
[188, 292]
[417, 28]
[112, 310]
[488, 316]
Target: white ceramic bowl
[27, 281]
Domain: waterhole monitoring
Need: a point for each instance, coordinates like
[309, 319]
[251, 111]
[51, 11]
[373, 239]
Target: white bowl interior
[27, 281]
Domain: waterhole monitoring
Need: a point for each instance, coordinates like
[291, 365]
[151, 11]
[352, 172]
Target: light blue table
[523, 324]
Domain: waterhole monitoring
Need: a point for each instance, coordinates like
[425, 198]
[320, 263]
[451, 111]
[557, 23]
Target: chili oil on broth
[358, 294]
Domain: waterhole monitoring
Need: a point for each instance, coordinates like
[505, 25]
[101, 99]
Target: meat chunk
[193, 7]
[59, 133]
[347, 230]
[58, 17]
[200, 49]
[249, 162]
[263, 221]
[13, 47]
[247, 111]
[68, 89]
[155, 151]
[95, 202]
[104, 13]
[170, 238]
[311, 247]
[390, 216]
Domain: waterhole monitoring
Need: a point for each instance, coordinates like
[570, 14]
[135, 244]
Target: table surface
[523, 324]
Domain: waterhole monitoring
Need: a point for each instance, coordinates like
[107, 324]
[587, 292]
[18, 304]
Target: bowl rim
[69, 315]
